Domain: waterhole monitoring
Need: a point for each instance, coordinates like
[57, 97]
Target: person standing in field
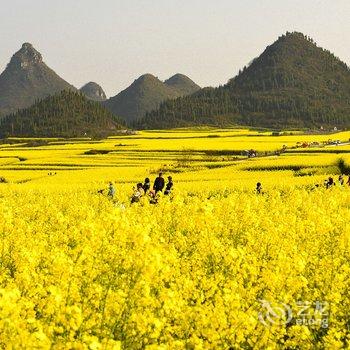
[169, 186]
[348, 182]
[111, 190]
[258, 188]
[341, 180]
[138, 193]
[147, 185]
[330, 183]
[159, 183]
[153, 198]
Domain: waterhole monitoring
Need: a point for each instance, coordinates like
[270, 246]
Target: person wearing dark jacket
[169, 186]
[259, 188]
[159, 183]
[330, 183]
[147, 185]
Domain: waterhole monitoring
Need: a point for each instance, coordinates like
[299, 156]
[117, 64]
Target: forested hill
[182, 84]
[146, 94]
[294, 83]
[67, 114]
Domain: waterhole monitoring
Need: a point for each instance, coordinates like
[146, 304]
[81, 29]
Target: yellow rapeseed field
[213, 266]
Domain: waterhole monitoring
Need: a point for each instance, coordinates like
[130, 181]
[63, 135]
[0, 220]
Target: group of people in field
[328, 183]
[144, 189]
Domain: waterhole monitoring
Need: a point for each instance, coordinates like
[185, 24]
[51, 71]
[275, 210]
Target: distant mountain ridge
[94, 92]
[26, 79]
[293, 83]
[146, 93]
[66, 114]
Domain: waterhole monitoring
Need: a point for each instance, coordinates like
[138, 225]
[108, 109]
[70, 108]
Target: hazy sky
[113, 42]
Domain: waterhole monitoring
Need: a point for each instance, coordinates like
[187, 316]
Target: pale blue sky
[113, 42]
